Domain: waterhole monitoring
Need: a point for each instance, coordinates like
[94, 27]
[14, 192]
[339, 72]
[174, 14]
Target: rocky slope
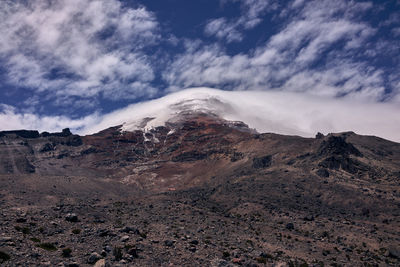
[199, 191]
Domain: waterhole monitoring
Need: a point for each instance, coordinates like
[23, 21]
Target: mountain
[191, 187]
[266, 111]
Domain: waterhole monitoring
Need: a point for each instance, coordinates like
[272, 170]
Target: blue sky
[65, 60]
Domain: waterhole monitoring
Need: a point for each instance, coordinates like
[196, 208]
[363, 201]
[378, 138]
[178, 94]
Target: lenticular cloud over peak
[279, 112]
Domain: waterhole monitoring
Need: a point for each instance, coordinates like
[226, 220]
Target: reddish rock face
[231, 189]
[187, 153]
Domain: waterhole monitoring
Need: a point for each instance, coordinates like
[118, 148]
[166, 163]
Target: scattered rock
[100, 263]
[309, 218]
[394, 252]
[133, 252]
[129, 229]
[124, 238]
[236, 260]
[93, 258]
[169, 243]
[194, 242]
[71, 217]
[5, 239]
[290, 226]
[323, 173]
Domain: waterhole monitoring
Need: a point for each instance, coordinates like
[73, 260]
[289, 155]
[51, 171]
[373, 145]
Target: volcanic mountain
[194, 188]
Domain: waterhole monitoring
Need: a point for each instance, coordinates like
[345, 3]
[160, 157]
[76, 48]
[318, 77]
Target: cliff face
[242, 196]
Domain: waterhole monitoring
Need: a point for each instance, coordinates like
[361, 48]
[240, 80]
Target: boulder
[290, 226]
[71, 217]
[94, 257]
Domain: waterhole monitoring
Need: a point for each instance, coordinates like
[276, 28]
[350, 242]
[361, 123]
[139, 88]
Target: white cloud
[77, 48]
[221, 28]
[232, 30]
[313, 52]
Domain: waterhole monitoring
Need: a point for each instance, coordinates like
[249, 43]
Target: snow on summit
[265, 111]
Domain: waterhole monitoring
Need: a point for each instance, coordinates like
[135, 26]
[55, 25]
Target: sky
[69, 63]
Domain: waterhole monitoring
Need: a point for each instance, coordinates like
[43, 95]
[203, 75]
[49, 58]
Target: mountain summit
[272, 111]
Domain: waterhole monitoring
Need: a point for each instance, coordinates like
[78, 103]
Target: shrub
[76, 231]
[24, 230]
[47, 246]
[4, 256]
[261, 260]
[117, 252]
[66, 252]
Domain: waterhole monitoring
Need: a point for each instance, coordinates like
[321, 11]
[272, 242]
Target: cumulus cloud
[77, 48]
[232, 30]
[317, 51]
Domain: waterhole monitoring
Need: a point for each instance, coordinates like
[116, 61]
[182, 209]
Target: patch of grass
[76, 231]
[4, 256]
[47, 246]
[36, 240]
[66, 252]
